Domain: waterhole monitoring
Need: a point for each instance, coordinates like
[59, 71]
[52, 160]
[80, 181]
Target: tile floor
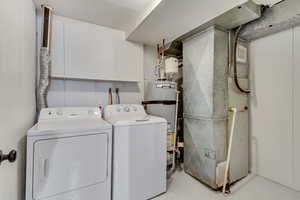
[183, 187]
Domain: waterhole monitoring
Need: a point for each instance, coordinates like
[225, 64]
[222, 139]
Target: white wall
[17, 86]
[91, 93]
[67, 92]
[150, 61]
[94, 93]
[275, 107]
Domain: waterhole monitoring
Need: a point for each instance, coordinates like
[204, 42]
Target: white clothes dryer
[69, 156]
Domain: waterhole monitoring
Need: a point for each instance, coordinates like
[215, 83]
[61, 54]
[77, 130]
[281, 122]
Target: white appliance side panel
[139, 161]
[65, 164]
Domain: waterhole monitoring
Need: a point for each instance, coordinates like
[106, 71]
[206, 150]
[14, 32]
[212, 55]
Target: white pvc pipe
[234, 110]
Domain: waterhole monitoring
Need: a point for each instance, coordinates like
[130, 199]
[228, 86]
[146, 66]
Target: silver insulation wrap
[44, 82]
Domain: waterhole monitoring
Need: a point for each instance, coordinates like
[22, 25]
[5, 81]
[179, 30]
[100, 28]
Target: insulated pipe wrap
[44, 83]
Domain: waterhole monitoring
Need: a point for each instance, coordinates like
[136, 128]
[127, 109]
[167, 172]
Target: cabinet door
[58, 48]
[129, 62]
[89, 51]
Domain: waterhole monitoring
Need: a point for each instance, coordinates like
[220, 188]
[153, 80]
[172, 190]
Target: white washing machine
[139, 152]
[69, 156]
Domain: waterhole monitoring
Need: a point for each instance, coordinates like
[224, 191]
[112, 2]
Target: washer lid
[145, 121]
[68, 126]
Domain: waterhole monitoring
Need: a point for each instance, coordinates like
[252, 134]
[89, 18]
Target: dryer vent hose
[45, 59]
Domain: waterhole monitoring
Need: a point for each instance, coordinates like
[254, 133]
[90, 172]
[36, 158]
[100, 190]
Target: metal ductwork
[280, 17]
[45, 59]
[231, 19]
[209, 94]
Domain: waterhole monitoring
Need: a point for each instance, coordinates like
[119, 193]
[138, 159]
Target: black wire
[234, 61]
[279, 2]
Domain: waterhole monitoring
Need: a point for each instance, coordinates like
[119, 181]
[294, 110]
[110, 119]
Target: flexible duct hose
[236, 38]
[44, 81]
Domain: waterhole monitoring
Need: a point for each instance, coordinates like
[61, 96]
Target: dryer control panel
[70, 113]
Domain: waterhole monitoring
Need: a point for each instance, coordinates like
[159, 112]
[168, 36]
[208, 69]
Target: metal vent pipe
[45, 59]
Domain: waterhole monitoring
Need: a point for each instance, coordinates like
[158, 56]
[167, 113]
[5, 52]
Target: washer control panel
[123, 111]
[128, 108]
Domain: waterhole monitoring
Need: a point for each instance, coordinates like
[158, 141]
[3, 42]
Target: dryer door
[66, 164]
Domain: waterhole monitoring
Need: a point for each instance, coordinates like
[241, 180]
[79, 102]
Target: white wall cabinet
[86, 51]
[58, 49]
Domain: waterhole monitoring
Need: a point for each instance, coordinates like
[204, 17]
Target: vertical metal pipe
[47, 22]
[45, 59]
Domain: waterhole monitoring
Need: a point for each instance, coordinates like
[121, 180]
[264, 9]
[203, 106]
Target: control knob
[126, 109]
